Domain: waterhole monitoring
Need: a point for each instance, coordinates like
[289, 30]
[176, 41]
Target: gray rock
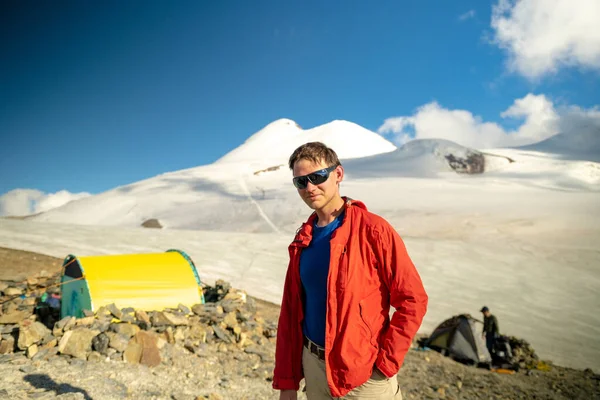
[142, 316]
[13, 317]
[198, 309]
[95, 357]
[87, 321]
[117, 342]
[88, 313]
[77, 343]
[32, 350]
[223, 334]
[8, 329]
[7, 345]
[100, 343]
[128, 318]
[102, 324]
[133, 352]
[103, 312]
[166, 318]
[184, 309]
[197, 332]
[114, 310]
[63, 322]
[13, 291]
[47, 339]
[41, 355]
[31, 333]
[125, 329]
[230, 320]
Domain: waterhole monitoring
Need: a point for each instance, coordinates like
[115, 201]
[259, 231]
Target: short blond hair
[315, 152]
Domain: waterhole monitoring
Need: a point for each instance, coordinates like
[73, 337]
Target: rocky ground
[221, 350]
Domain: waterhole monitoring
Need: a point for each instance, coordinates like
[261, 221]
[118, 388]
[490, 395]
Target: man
[347, 267]
[491, 331]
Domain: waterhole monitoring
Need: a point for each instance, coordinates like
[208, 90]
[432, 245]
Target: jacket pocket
[343, 266]
[371, 314]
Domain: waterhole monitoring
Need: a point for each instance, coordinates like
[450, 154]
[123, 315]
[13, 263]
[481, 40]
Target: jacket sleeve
[284, 377]
[407, 296]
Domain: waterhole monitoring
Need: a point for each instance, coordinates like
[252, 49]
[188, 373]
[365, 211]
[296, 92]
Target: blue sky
[95, 95]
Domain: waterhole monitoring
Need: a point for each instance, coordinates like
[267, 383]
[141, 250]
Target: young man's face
[318, 196]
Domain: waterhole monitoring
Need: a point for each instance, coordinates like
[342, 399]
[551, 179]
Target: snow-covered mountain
[275, 143]
[249, 189]
[577, 145]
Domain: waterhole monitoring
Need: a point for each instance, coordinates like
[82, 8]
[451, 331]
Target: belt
[314, 348]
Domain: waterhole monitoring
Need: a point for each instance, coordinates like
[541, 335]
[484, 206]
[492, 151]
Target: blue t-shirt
[314, 269]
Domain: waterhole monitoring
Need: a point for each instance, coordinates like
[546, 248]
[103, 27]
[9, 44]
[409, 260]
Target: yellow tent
[142, 281]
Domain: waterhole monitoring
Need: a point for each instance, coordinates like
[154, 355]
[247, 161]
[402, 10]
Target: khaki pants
[377, 387]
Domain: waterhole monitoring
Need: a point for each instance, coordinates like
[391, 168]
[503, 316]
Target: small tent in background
[458, 338]
[142, 281]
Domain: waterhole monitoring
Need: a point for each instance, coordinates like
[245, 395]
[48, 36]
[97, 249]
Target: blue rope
[194, 270]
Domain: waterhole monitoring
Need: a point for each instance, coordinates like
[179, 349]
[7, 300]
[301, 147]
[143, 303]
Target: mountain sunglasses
[316, 178]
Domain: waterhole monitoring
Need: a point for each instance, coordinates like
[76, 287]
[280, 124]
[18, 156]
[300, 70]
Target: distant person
[491, 330]
[347, 267]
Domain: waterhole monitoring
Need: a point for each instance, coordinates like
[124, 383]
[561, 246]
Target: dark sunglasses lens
[318, 178]
[300, 182]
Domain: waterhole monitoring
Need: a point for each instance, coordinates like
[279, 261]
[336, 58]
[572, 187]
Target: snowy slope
[583, 144]
[427, 158]
[235, 195]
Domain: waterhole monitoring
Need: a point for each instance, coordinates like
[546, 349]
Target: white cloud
[540, 36]
[21, 202]
[468, 15]
[540, 120]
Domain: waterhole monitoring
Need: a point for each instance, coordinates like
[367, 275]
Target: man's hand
[288, 395]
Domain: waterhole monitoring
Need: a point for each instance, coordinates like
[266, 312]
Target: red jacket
[369, 270]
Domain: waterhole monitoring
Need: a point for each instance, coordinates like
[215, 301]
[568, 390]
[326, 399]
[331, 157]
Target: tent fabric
[143, 281]
[458, 338]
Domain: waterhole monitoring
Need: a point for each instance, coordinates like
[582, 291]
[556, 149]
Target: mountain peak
[284, 122]
[275, 142]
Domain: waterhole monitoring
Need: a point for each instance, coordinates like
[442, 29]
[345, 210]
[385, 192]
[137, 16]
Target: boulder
[142, 316]
[32, 350]
[125, 329]
[117, 341]
[13, 317]
[152, 223]
[13, 291]
[114, 310]
[150, 351]
[133, 352]
[7, 345]
[167, 318]
[31, 333]
[100, 343]
[77, 343]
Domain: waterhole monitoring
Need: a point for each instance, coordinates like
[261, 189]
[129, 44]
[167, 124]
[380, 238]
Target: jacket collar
[304, 233]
